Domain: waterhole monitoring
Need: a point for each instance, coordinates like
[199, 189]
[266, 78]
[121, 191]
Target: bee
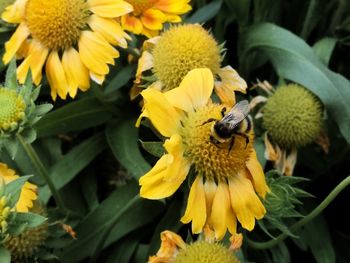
[235, 122]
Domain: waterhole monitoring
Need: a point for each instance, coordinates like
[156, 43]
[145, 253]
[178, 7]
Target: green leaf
[324, 49]
[123, 250]
[321, 244]
[5, 256]
[75, 116]
[21, 221]
[30, 219]
[90, 228]
[120, 79]
[240, 9]
[14, 188]
[205, 13]
[73, 162]
[122, 137]
[11, 76]
[293, 59]
[154, 148]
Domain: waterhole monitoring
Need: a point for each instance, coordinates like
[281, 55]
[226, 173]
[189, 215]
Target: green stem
[337, 190]
[42, 171]
[107, 231]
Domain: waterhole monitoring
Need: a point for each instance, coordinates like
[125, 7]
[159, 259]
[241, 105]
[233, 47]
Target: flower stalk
[295, 227]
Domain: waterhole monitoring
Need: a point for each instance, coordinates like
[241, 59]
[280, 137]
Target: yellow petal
[95, 52]
[220, 210]
[15, 13]
[132, 24]
[245, 203]
[257, 174]
[230, 82]
[168, 173]
[15, 42]
[162, 114]
[35, 60]
[194, 90]
[210, 190]
[99, 79]
[196, 206]
[169, 248]
[109, 29]
[56, 76]
[145, 63]
[77, 74]
[109, 8]
[153, 19]
[290, 162]
[174, 6]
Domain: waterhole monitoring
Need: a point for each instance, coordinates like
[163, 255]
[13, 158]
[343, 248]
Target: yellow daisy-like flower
[28, 193]
[226, 180]
[149, 16]
[174, 250]
[183, 48]
[72, 38]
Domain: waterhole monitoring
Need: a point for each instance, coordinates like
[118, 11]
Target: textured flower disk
[28, 193]
[149, 16]
[12, 108]
[73, 39]
[174, 250]
[225, 184]
[292, 116]
[181, 49]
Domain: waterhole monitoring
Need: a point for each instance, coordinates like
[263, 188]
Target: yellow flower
[226, 180]
[149, 16]
[72, 38]
[174, 250]
[183, 48]
[28, 193]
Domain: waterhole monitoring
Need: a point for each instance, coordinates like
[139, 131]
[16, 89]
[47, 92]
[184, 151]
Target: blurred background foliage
[95, 157]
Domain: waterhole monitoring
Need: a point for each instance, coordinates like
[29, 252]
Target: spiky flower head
[12, 109]
[181, 49]
[203, 252]
[174, 250]
[292, 116]
[18, 112]
[24, 245]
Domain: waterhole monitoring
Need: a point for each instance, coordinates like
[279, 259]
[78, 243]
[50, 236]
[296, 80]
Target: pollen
[181, 49]
[205, 252]
[12, 108]
[56, 24]
[141, 5]
[214, 162]
[292, 116]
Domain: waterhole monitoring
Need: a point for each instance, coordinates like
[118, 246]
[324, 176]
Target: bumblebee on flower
[226, 180]
[177, 51]
[292, 117]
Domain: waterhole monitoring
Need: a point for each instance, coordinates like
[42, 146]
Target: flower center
[56, 24]
[12, 108]
[292, 116]
[214, 162]
[141, 5]
[203, 252]
[181, 49]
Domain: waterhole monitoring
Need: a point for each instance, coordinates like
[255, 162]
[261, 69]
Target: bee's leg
[214, 141]
[223, 111]
[208, 121]
[232, 142]
[244, 136]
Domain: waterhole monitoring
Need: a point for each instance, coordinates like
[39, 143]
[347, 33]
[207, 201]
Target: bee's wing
[237, 114]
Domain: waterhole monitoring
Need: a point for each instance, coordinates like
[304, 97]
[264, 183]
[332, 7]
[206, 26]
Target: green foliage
[281, 203]
[93, 154]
